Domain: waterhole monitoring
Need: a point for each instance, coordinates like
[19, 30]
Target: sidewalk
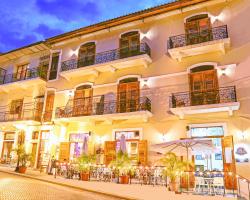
[144, 192]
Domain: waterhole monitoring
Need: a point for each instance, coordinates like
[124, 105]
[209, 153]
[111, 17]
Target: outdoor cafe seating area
[205, 183]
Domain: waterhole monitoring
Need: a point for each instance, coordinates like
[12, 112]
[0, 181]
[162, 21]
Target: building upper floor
[162, 40]
[193, 49]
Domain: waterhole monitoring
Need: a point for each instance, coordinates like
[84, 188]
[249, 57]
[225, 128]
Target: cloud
[25, 22]
[69, 10]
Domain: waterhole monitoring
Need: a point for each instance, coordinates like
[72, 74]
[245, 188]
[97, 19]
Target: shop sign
[242, 153]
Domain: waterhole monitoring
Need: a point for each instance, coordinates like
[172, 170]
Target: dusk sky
[25, 22]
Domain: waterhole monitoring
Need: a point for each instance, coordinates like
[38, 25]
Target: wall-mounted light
[145, 83]
[224, 72]
[148, 35]
[74, 52]
[70, 93]
[164, 137]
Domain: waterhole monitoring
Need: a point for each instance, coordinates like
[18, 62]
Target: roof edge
[178, 4]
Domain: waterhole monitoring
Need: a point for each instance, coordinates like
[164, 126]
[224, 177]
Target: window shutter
[54, 66]
[49, 106]
[109, 151]
[143, 152]
[229, 163]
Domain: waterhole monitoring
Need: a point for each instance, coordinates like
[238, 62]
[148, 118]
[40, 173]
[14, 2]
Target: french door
[86, 55]
[198, 30]
[128, 97]
[129, 44]
[82, 103]
[22, 72]
[39, 102]
[204, 87]
[16, 108]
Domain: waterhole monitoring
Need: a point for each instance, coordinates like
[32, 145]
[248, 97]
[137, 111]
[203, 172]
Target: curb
[70, 186]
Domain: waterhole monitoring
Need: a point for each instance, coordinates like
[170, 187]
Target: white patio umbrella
[85, 145]
[184, 147]
[123, 144]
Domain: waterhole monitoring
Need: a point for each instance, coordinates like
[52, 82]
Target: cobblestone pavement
[18, 188]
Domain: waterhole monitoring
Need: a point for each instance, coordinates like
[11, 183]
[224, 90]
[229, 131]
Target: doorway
[198, 29]
[203, 83]
[129, 44]
[128, 95]
[82, 103]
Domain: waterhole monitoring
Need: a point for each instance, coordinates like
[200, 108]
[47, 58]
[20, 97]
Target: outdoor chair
[218, 185]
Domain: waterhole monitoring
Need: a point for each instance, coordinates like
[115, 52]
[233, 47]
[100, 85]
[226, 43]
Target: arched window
[203, 82]
[86, 54]
[82, 103]
[129, 44]
[198, 29]
[128, 95]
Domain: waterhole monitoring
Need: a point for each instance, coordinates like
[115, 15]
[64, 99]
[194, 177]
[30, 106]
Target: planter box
[22, 169]
[84, 176]
[124, 179]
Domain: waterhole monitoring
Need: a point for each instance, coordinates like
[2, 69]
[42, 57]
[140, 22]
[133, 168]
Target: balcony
[29, 114]
[215, 40]
[105, 111]
[221, 100]
[24, 79]
[108, 61]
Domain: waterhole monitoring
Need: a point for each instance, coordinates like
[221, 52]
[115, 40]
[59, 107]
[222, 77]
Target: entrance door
[82, 104]
[204, 87]
[109, 151]
[44, 149]
[198, 29]
[128, 95]
[7, 148]
[229, 162]
[33, 154]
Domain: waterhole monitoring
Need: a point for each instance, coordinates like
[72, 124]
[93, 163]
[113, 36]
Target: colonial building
[178, 70]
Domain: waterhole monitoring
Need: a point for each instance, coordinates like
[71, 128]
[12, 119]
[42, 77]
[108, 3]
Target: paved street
[18, 188]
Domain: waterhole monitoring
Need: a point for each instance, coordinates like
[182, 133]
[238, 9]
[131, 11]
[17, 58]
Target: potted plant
[122, 165]
[173, 168]
[22, 158]
[85, 162]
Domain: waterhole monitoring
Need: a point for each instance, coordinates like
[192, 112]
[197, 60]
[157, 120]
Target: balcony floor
[22, 84]
[201, 48]
[109, 118]
[201, 109]
[111, 66]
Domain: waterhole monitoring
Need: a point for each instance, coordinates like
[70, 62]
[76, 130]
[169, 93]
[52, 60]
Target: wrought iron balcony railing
[185, 99]
[24, 75]
[216, 33]
[90, 106]
[28, 112]
[107, 56]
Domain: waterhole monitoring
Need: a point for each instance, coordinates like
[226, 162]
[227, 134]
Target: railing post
[248, 191]
[238, 186]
